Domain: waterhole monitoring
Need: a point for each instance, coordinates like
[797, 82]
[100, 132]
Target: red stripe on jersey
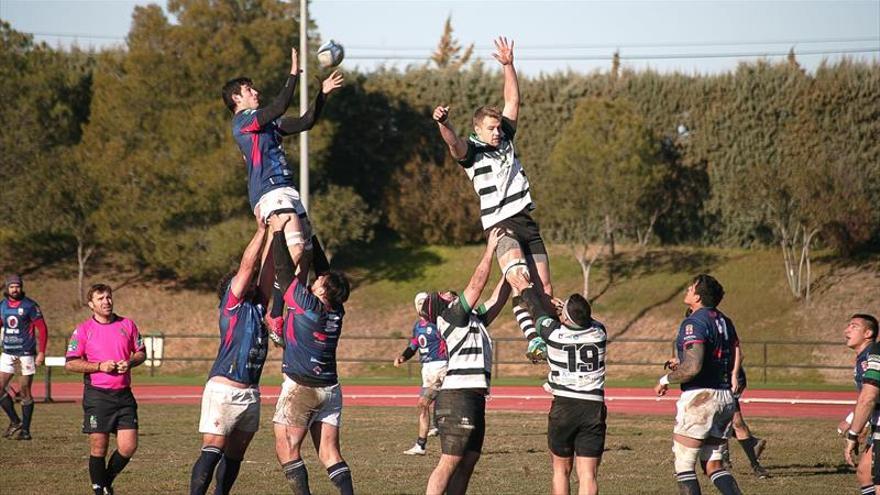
[227, 339]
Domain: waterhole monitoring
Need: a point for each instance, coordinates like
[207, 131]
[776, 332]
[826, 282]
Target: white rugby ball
[330, 54]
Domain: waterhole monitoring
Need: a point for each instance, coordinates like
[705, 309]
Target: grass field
[805, 456]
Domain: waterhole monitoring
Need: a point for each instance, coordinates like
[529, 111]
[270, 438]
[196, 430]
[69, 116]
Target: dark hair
[99, 288]
[486, 111]
[338, 288]
[579, 310]
[223, 284]
[233, 87]
[871, 321]
[711, 291]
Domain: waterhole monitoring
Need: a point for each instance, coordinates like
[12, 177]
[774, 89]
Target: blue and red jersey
[243, 341]
[311, 334]
[24, 330]
[263, 154]
[716, 332]
[428, 341]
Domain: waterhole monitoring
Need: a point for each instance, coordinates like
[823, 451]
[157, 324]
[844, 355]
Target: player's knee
[685, 457]
[514, 268]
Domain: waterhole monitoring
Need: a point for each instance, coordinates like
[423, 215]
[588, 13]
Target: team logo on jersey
[11, 322]
[72, 345]
[20, 311]
[689, 329]
[428, 330]
[547, 322]
[864, 365]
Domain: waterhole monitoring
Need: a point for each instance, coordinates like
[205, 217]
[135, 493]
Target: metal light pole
[304, 103]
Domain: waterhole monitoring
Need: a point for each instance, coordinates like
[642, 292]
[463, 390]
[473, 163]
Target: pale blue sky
[550, 34]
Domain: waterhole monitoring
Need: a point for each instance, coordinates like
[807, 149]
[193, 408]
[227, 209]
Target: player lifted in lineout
[258, 131]
[489, 158]
[428, 342]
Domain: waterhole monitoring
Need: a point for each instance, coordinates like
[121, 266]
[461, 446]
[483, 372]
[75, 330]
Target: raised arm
[496, 302]
[293, 125]
[249, 262]
[504, 55]
[478, 280]
[281, 102]
[457, 145]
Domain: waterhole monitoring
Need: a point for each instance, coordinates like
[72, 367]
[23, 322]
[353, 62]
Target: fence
[761, 356]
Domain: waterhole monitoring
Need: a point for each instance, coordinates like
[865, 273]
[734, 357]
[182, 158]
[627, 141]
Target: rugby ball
[330, 54]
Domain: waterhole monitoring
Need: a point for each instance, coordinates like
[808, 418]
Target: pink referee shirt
[96, 342]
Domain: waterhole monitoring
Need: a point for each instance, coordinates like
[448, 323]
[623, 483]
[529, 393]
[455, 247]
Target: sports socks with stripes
[340, 476]
[725, 483]
[867, 490]
[524, 319]
[297, 476]
[227, 473]
[687, 483]
[203, 470]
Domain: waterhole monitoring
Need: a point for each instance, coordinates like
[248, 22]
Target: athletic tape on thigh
[685, 457]
[295, 238]
[711, 452]
[515, 263]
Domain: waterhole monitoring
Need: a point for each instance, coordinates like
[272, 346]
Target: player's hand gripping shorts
[704, 412]
[226, 408]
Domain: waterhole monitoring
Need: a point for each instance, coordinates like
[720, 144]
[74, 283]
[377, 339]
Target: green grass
[804, 456]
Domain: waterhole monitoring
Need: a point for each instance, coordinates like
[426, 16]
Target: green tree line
[129, 151]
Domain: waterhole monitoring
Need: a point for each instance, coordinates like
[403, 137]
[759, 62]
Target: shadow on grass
[387, 260]
[817, 469]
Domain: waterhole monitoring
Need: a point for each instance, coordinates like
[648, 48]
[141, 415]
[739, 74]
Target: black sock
[297, 476]
[27, 412]
[422, 442]
[9, 408]
[725, 483]
[867, 490]
[98, 474]
[340, 475]
[227, 473]
[687, 483]
[748, 446]
[203, 470]
[277, 308]
[115, 466]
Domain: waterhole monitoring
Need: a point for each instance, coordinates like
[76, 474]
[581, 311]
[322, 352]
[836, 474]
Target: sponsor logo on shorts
[93, 421]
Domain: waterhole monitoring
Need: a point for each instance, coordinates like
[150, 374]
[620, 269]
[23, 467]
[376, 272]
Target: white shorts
[27, 363]
[301, 406]
[226, 408]
[704, 412]
[432, 376]
[286, 198]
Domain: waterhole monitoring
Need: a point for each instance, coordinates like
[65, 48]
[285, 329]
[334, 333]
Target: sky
[551, 35]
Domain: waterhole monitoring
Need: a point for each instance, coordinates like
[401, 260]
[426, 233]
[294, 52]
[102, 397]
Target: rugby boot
[760, 443]
[276, 330]
[433, 432]
[760, 471]
[23, 435]
[12, 429]
[537, 350]
[416, 450]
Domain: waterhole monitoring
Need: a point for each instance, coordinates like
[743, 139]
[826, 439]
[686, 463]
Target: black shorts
[461, 419]
[576, 427]
[106, 411]
[526, 231]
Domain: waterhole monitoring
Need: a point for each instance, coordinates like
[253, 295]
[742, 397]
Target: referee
[104, 348]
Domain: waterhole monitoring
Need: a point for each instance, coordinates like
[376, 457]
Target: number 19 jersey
[577, 359]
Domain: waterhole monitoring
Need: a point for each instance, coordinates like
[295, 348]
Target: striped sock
[340, 475]
[526, 323]
[687, 483]
[867, 490]
[297, 476]
[725, 483]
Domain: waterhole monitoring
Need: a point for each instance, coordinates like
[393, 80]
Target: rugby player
[24, 343]
[489, 158]
[231, 400]
[105, 348]
[432, 354]
[861, 337]
[576, 354]
[705, 347]
[751, 445]
[311, 398]
[461, 402]
[258, 131]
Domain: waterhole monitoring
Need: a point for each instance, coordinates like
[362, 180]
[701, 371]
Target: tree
[605, 172]
[448, 53]
[341, 218]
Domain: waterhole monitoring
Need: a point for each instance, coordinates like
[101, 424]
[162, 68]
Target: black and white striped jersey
[576, 357]
[468, 346]
[498, 177]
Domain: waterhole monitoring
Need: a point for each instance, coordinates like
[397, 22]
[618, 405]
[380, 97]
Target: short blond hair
[486, 111]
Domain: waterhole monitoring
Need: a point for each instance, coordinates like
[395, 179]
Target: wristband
[664, 380]
[851, 435]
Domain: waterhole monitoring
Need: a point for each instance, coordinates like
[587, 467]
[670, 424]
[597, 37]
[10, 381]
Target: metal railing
[770, 354]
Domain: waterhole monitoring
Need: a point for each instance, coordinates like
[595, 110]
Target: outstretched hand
[333, 82]
[503, 51]
[294, 62]
[441, 113]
